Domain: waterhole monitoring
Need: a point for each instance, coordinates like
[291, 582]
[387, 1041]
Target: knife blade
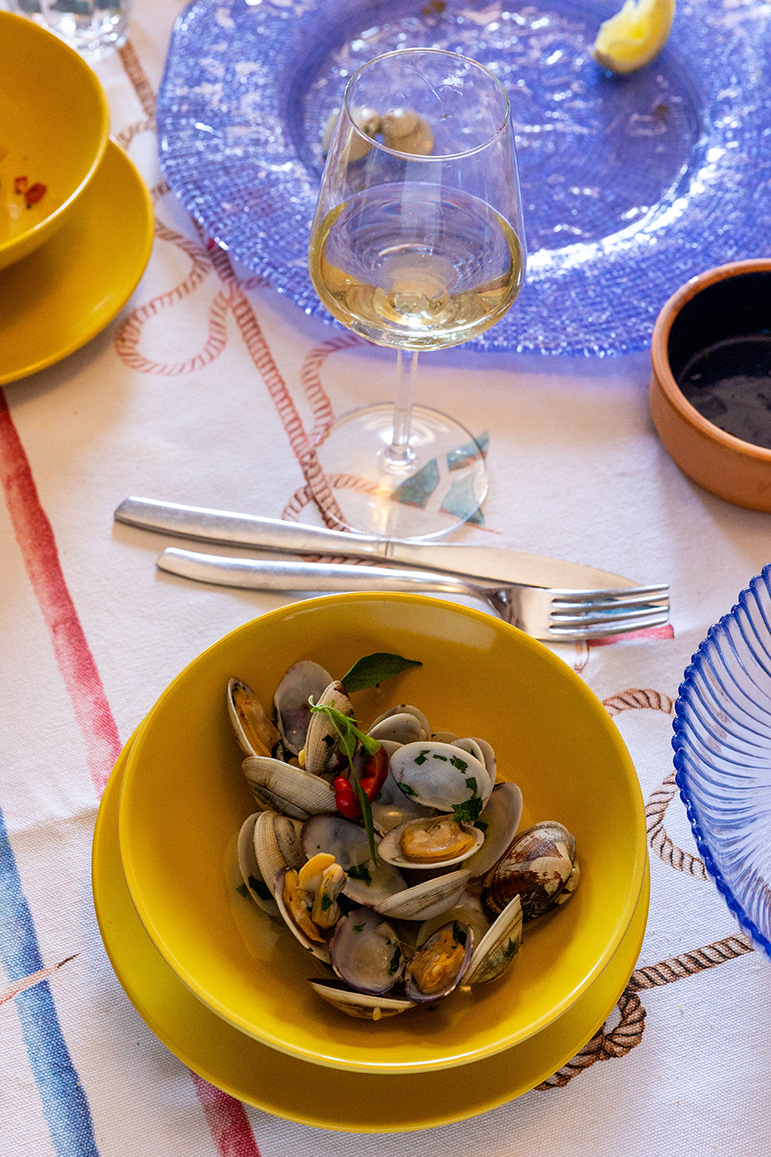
[490, 563]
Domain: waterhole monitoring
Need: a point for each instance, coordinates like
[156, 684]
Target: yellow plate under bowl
[184, 799]
[322, 1097]
[69, 289]
[54, 125]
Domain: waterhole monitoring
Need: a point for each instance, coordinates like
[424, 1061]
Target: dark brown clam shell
[537, 867]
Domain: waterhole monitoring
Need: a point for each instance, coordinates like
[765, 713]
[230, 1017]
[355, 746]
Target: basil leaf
[373, 669]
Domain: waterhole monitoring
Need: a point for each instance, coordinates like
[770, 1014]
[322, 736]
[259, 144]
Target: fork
[557, 616]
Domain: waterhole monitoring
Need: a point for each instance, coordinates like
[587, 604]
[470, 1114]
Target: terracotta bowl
[728, 302]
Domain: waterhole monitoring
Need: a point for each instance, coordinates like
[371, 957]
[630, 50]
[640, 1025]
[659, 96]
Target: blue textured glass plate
[631, 184]
[722, 745]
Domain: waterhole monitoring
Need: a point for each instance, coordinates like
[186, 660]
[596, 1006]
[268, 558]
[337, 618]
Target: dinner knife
[491, 563]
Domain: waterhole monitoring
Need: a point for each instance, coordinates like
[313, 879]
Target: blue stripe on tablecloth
[65, 1106]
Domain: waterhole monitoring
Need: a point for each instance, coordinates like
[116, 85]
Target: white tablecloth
[204, 391]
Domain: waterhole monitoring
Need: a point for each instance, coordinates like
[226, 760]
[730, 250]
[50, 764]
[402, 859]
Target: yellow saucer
[310, 1094]
[59, 297]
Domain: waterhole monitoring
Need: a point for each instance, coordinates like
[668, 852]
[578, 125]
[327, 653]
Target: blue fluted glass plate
[631, 184]
[722, 743]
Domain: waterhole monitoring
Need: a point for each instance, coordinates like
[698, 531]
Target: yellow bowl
[184, 798]
[54, 127]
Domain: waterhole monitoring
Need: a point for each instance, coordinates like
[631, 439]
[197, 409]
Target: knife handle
[245, 529]
[275, 575]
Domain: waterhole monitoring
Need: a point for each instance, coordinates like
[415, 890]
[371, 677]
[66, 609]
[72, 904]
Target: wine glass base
[441, 487]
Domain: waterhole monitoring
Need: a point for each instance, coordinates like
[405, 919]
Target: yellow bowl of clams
[185, 801]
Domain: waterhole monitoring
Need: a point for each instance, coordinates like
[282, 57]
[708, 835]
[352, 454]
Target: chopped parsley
[360, 872]
[468, 810]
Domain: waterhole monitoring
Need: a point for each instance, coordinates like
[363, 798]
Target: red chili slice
[33, 194]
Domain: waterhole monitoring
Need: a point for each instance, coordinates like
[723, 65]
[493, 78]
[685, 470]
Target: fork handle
[280, 575]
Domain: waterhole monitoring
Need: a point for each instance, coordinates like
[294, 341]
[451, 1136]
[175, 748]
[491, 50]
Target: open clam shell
[402, 724]
[440, 775]
[495, 952]
[320, 753]
[254, 730]
[430, 842]
[360, 1004]
[293, 710]
[427, 899]
[276, 844]
[365, 952]
[468, 910]
[280, 787]
[319, 948]
[440, 964]
[254, 881]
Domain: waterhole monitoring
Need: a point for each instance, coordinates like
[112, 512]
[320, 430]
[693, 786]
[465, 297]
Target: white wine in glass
[417, 243]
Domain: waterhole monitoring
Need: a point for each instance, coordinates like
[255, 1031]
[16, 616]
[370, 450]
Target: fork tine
[589, 616]
[614, 595]
[582, 606]
[605, 627]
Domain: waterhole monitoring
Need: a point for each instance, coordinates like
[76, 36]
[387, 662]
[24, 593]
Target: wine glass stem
[398, 457]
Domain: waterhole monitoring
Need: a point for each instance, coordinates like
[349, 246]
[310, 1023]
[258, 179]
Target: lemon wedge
[634, 35]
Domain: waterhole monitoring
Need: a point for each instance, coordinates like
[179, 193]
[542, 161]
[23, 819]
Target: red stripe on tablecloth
[665, 632]
[227, 1120]
[41, 558]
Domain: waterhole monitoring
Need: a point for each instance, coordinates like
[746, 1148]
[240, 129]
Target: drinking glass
[417, 243]
[94, 28]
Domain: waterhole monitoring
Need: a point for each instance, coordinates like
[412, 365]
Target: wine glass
[417, 243]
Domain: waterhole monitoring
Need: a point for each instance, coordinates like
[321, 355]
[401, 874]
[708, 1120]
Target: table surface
[209, 388]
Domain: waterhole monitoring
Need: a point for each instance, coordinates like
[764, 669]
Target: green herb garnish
[360, 872]
[373, 669]
[350, 736]
[468, 810]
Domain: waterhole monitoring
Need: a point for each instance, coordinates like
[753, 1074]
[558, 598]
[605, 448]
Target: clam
[434, 842]
[397, 729]
[468, 910]
[254, 881]
[495, 952]
[427, 899]
[360, 1004]
[275, 845]
[280, 787]
[296, 909]
[406, 131]
[442, 776]
[405, 709]
[440, 964]
[255, 732]
[320, 753]
[293, 710]
[540, 867]
[365, 952]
